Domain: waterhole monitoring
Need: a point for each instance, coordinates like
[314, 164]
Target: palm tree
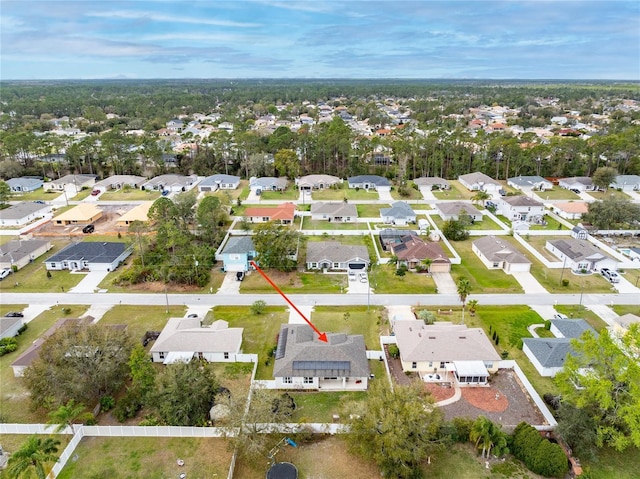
[488, 435]
[464, 289]
[427, 263]
[65, 415]
[480, 196]
[32, 457]
[473, 303]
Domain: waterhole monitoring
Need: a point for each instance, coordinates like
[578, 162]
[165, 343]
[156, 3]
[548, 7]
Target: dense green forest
[435, 142]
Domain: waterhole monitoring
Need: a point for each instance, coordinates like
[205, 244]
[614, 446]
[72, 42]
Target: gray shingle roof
[454, 207]
[335, 252]
[218, 179]
[300, 353]
[335, 209]
[430, 181]
[239, 245]
[21, 210]
[399, 209]
[550, 352]
[577, 250]
[477, 177]
[186, 335]
[93, 252]
[19, 248]
[24, 182]
[527, 180]
[521, 200]
[572, 328]
[497, 249]
[371, 179]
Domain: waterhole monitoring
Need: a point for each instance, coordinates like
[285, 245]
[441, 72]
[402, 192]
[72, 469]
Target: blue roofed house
[400, 214]
[24, 184]
[537, 183]
[369, 182]
[87, 255]
[627, 182]
[548, 355]
[267, 183]
[236, 253]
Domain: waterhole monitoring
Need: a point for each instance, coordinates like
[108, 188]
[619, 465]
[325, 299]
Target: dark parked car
[88, 229]
[239, 275]
[14, 314]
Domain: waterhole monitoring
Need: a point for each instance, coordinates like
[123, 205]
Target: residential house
[283, 213]
[400, 214]
[137, 213]
[479, 181]
[317, 182]
[388, 237]
[92, 256]
[497, 253]
[267, 183]
[571, 210]
[451, 210]
[548, 355]
[24, 184]
[446, 351]
[82, 214]
[305, 362]
[71, 183]
[537, 183]
[23, 213]
[171, 183]
[336, 256]
[236, 254]
[369, 182]
[626, 182]
[219, 182]
[20, 253]
[520, 208]
[579, 183]
[337, 212]
[412, 252]
[432, 183]
[9, 327]
[118, 182]
[621, 324]
[184, 339]
[580, 255]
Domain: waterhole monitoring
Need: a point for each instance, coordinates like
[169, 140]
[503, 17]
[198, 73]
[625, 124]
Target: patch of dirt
[438, 392]
[487, 399]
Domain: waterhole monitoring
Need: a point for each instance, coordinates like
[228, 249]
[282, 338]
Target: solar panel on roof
[336, 367]
[282, 344]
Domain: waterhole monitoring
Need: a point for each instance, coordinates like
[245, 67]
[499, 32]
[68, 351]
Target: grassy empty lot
[215, 280]
[510, 323]
[294, 282]
[260, 331]
[557, 193]
[486, 223]
[343, 191]
[148, 458]
[309, 224]
[351, 320]
[456, 192]
[14, 397]
[370, 211]
[131, 194]
[383, 280]
[38, 194]
[481, 278]
[139, 320]
[610, 193]
[413, 194]
[290, 193]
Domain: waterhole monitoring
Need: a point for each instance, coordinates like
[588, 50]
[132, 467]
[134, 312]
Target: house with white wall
[498, 253]
[580, 255]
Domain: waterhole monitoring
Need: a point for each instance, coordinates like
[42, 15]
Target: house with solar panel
[305, 362]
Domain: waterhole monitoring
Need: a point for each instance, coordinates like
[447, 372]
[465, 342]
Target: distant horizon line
[324, 79]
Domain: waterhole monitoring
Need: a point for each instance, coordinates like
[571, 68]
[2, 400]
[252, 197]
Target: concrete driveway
[529, 284]
[385, 196]
[357, 286]
[445, 283]
[229, 285]
[90, 282]
[625, 286]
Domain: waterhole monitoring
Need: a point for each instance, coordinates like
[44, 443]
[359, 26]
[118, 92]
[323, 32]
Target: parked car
[363, 277]
[88, 229]
[575, 190]
[4, 273]
[40, 202]
[14, 314]
[239, 275]
[192, 315]
[352, 276]
[95, 192]
[610, 275]
[560, 316]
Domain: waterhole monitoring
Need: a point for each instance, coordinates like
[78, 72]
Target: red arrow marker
[321, 336]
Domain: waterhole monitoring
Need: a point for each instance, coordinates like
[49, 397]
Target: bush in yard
[565, 282]
[427, 316]
[107, 403]
[537, 453]
[258, 307]
[394, 351]
[8, 345]
[128, 406]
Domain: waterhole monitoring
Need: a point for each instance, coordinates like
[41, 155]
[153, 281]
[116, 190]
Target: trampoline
[282, 470]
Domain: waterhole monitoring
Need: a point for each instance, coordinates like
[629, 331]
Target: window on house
[496, 265]
[414, 365]
[200, 355]
[226, 355]
[307, 380]
[265, 218]
[442, 365]
[287, 380]
[161, 355]
[336, 265]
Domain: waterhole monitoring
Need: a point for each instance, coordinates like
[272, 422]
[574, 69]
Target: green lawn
[457, 192]
[413, 194]
[510, 324]
[140, 319]
[132, 194]
[486, 223]
[551, 280]
[14, 397]
[552, 225]
[260, 331]
[383, 280]
[370, 211]
[610, 464]
[294, 282]
[309, 224]
[343, 191]
[289, 194]
[538, 243]
[148, 458]
[580, 312]
[610, 193]
[351, 320]
[320, 406]
[481, 278]
[557, 193]
[625, 309]
[38, 194]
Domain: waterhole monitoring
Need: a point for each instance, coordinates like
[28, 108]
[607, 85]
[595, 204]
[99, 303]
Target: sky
[479, 39]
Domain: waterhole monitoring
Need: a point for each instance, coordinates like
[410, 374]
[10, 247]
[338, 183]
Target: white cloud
[157, 17]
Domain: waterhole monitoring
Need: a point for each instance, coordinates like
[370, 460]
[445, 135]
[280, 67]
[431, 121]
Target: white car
[4, 272]
[560, 316]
